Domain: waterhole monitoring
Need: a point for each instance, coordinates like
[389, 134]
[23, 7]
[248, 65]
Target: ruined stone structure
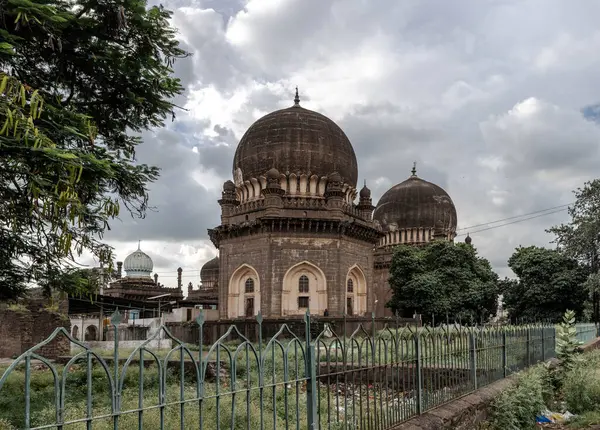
[138, 283]
[291, 235]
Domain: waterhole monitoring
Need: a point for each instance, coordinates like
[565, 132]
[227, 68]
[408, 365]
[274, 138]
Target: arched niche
[304, 288]
[355, 302]
[243, 297]
[91, 333]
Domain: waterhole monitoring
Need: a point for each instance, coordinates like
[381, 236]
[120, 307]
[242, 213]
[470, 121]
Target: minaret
[228, 201]
[365, 203]
[273, 193]
[334, 194]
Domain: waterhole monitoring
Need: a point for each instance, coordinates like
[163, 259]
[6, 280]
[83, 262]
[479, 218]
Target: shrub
[567, 344]
[516, 407]
[581, 385]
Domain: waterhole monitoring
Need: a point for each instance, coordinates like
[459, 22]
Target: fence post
[504, 355]
[543, 343]
[528, 346]
[311, 374]
[473, 356]
[419, 373]
[115, 320]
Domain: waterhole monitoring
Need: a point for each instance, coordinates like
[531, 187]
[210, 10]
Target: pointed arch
[356, 297]
[304, 287]
[243, 301]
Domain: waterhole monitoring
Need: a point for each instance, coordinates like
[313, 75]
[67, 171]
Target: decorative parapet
[298, 186]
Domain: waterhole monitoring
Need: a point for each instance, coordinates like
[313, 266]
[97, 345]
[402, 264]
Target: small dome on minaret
[468, 239]
[365, 192]
[273, 173]
[229, 186]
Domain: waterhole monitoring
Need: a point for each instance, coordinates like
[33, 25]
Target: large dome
[210, 270]
[295, 140]
[416, 203]
[138, 265]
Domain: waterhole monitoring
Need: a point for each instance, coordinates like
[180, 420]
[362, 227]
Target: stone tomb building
[292, 236]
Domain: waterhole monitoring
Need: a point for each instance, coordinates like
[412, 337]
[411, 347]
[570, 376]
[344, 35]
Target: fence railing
[372, 377]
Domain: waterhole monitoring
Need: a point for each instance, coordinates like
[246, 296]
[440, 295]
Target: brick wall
[15, 331]
[23, 329]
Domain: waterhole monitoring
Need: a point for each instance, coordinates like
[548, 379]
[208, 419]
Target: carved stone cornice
[356, 229]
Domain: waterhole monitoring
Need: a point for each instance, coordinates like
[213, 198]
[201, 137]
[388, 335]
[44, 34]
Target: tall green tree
[80, 80]
[548, 284]
[580, 238]
[442, 280]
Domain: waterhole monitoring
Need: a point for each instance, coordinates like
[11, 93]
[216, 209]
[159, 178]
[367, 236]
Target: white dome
[138, 265]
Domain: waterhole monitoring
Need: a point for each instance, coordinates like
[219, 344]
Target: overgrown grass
[581, 385]
[517, 407]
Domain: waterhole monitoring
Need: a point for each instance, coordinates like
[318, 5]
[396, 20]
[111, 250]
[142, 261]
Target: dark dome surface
[210, 270]
[416, 203]
[295, 140]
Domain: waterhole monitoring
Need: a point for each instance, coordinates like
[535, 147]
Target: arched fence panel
[308, 373]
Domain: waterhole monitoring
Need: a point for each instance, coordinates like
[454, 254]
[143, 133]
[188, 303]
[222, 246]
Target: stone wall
[15, 330]
[465, 413]
[382, 291]
[22, 329]
[273, 254]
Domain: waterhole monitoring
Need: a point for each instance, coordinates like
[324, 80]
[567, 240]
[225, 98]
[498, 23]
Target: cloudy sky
[494, 99]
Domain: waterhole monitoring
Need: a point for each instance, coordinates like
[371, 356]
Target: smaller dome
[416, 203]
[273, 173]
[229, 186]
[468, 239]
[210, 270]
[365, 193]
[335, 177]
[138, 265]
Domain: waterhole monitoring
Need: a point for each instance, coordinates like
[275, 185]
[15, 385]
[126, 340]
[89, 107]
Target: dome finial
[297, 98]
[414, 169]
[139, 242]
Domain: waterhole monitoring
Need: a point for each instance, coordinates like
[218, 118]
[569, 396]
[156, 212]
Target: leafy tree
[80, 79]
[580, 238]
[549, 283]
[442, 279]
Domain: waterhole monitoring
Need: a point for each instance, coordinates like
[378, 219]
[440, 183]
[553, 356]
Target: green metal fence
[370, 378]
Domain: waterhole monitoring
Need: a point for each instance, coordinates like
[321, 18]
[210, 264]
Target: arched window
[249, 285]
[350, 286]
[303, 284]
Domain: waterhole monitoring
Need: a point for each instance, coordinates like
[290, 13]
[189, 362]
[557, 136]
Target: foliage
[516, 407]
[567, 344]
[70, 281]
[77, 78]
[578, 238]
[549, 283]
[581, 385]
[442, 279]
